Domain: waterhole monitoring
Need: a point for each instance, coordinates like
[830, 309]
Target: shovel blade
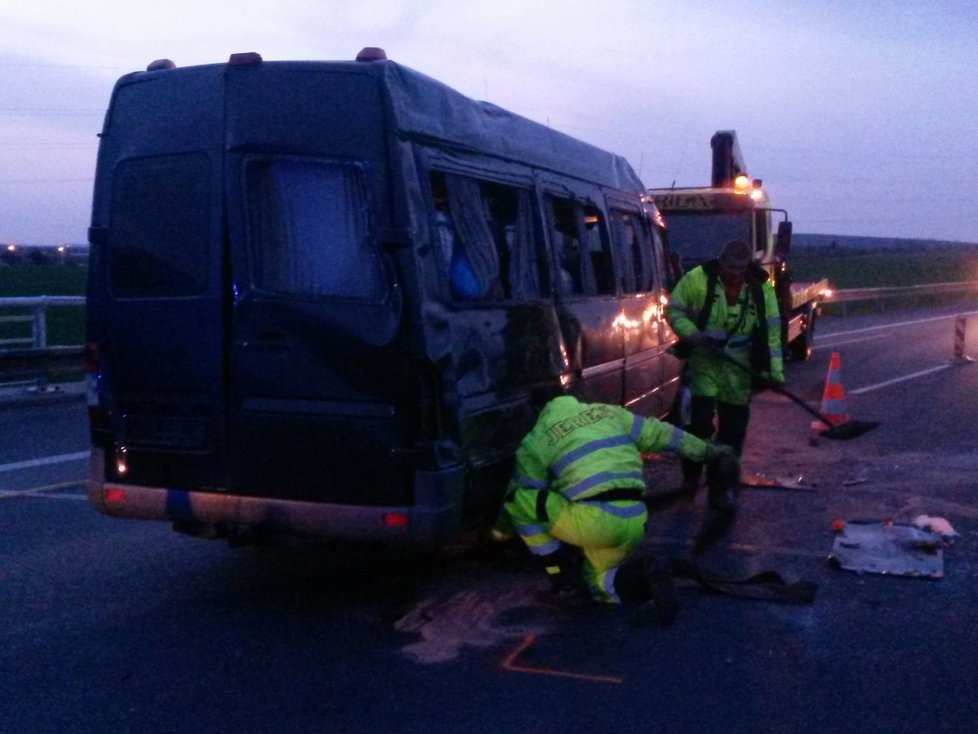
[849, 430]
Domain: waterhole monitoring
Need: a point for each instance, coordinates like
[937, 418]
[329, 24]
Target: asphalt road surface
[118, 626]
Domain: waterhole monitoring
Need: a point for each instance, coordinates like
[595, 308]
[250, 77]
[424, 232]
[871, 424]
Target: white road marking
[895, 380]
[833, 345]
[44, 461]
[889, 326]
[44, 491]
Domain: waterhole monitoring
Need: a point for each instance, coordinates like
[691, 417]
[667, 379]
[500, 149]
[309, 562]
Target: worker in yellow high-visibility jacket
[578, 484]
[725, 311]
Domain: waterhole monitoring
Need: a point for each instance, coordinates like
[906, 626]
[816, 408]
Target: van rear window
[160, 227]
[308, 229]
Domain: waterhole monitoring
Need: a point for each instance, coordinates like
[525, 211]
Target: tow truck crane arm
[728, 161]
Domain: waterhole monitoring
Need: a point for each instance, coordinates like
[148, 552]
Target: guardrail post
[960, 325]
[40, 327]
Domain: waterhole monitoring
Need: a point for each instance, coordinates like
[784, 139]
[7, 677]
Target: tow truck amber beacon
[699, 220]
[322, 294]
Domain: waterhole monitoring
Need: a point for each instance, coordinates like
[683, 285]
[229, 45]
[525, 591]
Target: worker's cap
[735, 257]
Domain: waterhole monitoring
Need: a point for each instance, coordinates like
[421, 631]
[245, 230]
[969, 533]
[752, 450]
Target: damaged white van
[322, 293]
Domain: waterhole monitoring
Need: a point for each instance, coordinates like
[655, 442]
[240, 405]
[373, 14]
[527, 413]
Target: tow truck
[699, 220]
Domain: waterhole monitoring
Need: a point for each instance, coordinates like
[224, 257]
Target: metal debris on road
[762, 481]
[898, 549]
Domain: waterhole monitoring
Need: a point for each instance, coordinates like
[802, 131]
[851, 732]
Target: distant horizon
[795, 237]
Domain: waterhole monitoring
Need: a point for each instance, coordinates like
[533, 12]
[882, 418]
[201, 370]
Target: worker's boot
[692, 471]
[723, 488]
[632, 579]
[723, 483]
[663, 591]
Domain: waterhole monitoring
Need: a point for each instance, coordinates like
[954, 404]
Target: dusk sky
[860, 117]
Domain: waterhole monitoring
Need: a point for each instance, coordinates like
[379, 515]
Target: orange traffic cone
[833, 396]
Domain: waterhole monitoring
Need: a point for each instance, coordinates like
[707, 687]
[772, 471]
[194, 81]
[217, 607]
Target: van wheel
[801, 348]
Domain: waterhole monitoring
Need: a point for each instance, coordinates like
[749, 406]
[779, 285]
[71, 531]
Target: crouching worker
[576, 495]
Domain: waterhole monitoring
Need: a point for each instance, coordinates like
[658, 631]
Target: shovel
[841, 431]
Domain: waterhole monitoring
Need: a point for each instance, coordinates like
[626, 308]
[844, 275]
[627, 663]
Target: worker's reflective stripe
[589, 448]
[608, 585]
[637, 423]
[681, 308]
[720, 334]
[551, 546]
[776, 353]
[632, 510]
[677, 436]
[525, 530]
[596, 479]
[741, 340]
[526, 482]
[774, 323]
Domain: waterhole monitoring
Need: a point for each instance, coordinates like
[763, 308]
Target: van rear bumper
[435, 519]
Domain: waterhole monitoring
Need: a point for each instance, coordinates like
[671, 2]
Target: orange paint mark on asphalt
[509, 663]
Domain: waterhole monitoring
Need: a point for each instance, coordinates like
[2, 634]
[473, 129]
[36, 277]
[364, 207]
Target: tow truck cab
[700, 220]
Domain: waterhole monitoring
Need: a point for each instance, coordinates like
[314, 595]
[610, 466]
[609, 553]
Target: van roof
[426, 109]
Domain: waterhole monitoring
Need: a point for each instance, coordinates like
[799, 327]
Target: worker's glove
[715, 451]
[695, 339]
[699, 340]
[503, 529]
[711, 346]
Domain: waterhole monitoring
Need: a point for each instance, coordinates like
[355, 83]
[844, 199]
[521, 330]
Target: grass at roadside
[885, 268]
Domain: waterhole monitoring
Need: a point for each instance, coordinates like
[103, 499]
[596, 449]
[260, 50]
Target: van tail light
[115, 495]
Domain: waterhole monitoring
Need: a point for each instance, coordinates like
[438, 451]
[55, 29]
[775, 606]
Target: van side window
[582, 252]
[160, 227]
[632, 242]
[485, 239]
[599, 250]
[666, 272]
[308, 229]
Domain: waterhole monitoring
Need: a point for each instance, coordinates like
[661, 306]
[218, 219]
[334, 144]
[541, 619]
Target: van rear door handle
[268, 340]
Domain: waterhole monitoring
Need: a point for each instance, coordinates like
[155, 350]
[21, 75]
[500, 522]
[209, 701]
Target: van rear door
[155, 307]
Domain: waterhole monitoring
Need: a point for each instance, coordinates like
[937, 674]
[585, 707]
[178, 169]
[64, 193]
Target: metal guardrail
[908, 293]
[30, 358]
[844, 295]
[37, 318]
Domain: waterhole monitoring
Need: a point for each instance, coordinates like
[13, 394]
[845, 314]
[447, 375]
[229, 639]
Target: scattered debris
[762, 481]
[447, 623]
[936, 525]
[887, 547]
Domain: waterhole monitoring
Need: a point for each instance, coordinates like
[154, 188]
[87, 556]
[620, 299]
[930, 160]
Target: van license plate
[165, 431]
